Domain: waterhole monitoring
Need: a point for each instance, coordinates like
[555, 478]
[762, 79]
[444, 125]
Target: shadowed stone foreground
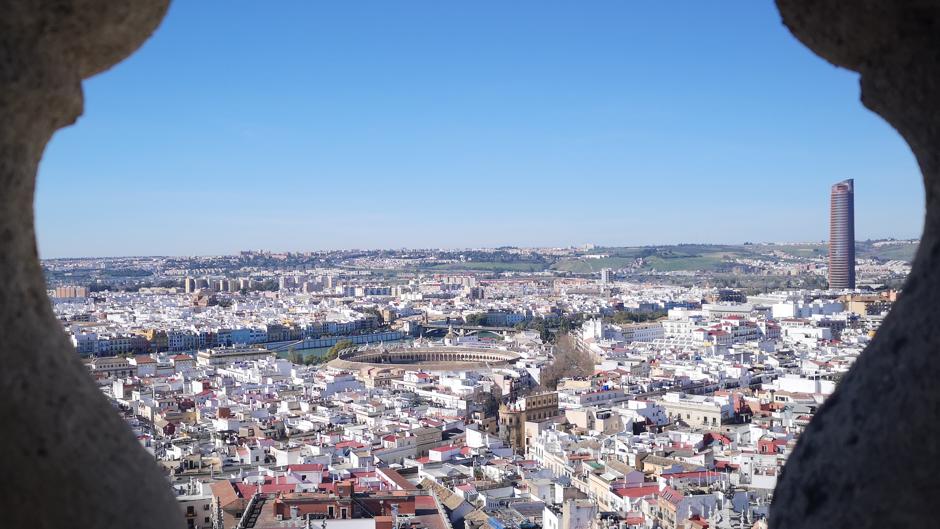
[870, 458]
[69, 461]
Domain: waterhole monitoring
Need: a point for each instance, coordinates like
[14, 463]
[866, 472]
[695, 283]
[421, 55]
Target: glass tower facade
[842, 235]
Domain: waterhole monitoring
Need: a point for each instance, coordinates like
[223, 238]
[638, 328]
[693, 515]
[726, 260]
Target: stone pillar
[870, 458]
[68, 459]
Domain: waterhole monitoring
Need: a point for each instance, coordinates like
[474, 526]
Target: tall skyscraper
[842, 235]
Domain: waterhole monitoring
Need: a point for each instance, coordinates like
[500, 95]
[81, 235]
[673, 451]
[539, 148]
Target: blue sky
[313, 125]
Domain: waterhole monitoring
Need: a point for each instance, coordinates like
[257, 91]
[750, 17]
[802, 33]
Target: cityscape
[488, 265]
[565, 388]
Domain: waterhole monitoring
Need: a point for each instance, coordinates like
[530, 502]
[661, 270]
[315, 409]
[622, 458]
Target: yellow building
[532, 408]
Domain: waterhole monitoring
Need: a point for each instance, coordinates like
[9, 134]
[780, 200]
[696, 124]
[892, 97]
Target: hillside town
[344, 398]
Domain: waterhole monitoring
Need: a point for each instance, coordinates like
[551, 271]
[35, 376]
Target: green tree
[333, 352]
[545, 334]
[296, 357]
[622, 317]
[478, 319]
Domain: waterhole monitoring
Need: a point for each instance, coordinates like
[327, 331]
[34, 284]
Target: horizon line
[471, 248]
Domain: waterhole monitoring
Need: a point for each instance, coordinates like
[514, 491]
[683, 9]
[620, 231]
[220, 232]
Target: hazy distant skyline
[429, 249]
[421, 124]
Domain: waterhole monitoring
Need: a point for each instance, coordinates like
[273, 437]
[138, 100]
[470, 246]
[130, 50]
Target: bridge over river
[464, 329]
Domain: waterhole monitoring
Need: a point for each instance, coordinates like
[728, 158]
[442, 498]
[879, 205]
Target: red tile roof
[671, 495]
[425, 502]
[246, 491]
[635, 518]
[637, 492]
[309, 467]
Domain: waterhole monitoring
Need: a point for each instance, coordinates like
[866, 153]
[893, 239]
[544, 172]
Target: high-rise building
[71, 292]
[842, 235]
[190, 285]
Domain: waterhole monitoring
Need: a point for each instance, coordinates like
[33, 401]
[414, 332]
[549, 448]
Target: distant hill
[714, 257]
[887, 250]
[705, 257]
[671, 258]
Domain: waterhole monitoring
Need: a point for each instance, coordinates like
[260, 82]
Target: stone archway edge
[870, 457]
[68, 460]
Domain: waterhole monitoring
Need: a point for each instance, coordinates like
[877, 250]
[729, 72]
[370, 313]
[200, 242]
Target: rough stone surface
[68, 460]
[871, 458]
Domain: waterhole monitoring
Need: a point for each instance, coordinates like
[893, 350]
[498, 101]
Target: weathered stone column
[871, 457]
[67, 459]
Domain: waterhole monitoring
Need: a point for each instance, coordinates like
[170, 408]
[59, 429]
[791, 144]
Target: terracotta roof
[635, 518]
[392, 476]
[310, 467]
[349, 444]
[671, 495]
[637, 492]
[424, 502]
[225, 492]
